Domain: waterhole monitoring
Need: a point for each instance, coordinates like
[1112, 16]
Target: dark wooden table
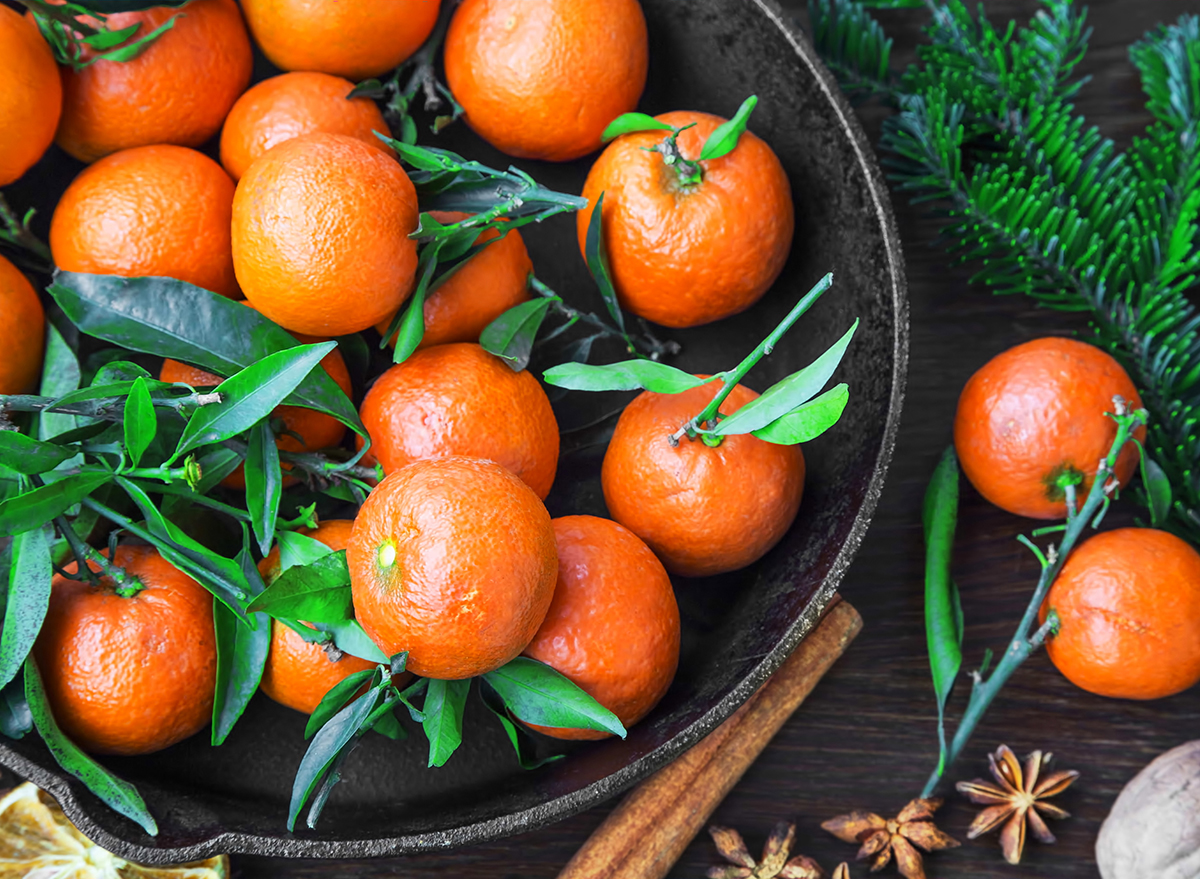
[866, 737]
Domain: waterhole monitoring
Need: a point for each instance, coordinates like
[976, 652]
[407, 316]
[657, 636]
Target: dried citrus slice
[36, 839]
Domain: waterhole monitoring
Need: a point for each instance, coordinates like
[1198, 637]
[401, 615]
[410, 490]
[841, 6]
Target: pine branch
[854, 46]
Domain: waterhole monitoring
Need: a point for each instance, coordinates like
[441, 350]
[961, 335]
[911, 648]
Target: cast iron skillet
[705, 55]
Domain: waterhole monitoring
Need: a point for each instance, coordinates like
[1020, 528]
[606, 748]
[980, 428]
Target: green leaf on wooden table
[60, 375]
[29, 456]
[250, 395]
[1158, 490]
[15, 717]
[336, 698]
[781, 398]
[118, 794]
[809, 420]
[511, 335]
[628, 375]
[408, 327]
[264, 483]
[943, 612]
[139, 421]
[318, 592]
[37, 507]
[724, 138]
[596, 255]
[28, 597]
[299, 549]
[520, 739]
[171, 318]
[628, 123]
[536, 693]
[443, 709]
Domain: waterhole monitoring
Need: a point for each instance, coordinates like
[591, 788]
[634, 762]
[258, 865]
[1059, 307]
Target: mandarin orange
[23, 328]
[30, 95]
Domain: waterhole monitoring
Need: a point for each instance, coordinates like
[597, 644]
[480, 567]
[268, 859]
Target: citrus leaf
[522, 742]
[795, 390]
[29, 456]
[389, 725]
[443, 709]
[139, 421]
[335, 700]
[241, 657]
[629, 375]
[596, 255]
[368, 88]
[264, 483]
[1158, 490]
[410, 330]
[250, 396]
[107, 39]
[108, 391]
[943, 625]
[131, 50]
[724, 138]
[511, 335]
[60, 375]
[350, 637]
[318, 592]
[15, 717]
[118, 794]
[808, 421]
[299, 549]
[536, 693]
[35, 508]
[628, 123]
[29, 579]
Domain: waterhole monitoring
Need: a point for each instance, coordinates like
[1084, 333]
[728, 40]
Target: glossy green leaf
[250, 396]
[724, 138]
[628, 123]
[388, 724]
[107, 39]
[60, 375]
[522, 742]
[335, 700]
[368, 88]
[264, 484]
[29, 456]
[536, 693]
[28, 597]
[595, 253]
[443, 709]
[943, 626]
[15, 718]
[411, 329]
[511, 335]
[241, 657]
[35, 508]
[118, 794]
[789, 394]
[108, 391]
[139, 421]
[808, 421]
[131, 50]
[1158, 490]
[299, 549]
[318, 592]
[628, 375]
[350, 637]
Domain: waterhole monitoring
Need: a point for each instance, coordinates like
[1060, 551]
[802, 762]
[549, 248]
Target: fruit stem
[647, 345]
[125, 584]
[16, 232]
[1023, 644]
[690, 172]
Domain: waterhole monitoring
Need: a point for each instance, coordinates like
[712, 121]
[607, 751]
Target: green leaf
[628, 123]
[335, 700]
[536, 693]
[596, 255]
[368, 88]
[296, 549]
[318, 592]
[107, 39]
[118, 794]
[241, 657]
[350, 637]
[389, 725]
[35, 508]
[60, 375]
[943, 629]
[724, 138]
[443, 709]
[29, 456]
[511, 335]
[411, 329]
[139, 421]
[520, 739]
[629, 375]
[264, 483]
[780, 399]
[1158, 490]
[809, 420]
[29, 580]
[250, 396]
[131, 50]
[174, 319]
[15, 717]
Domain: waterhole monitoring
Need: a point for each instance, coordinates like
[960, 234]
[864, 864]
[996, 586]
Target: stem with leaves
[125, 584]
[647, 344]
[15, 231]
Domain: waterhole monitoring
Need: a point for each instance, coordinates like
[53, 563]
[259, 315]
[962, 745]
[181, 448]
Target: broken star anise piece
[913, 828]
[774, 861]
[1017, 799]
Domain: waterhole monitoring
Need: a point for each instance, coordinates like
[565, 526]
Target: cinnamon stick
[648, 831]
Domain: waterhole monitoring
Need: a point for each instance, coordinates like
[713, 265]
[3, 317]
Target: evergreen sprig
[1046, 205]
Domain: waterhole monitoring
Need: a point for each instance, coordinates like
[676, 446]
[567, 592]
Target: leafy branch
[78, 31]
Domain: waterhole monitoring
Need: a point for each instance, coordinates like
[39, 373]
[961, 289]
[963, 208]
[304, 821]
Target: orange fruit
[351, 38]
[287, 106]
[1128, 603]
[30, 95]
[177, 90]
[157, 211]
[541, 79]
[299, 673]
[453, 560]
[460, 400]
[692, 503]
[23, 328]
[684, 255]
[320, 235]
[129, 675]
[1036, 412]
[489, 284]
[613, 626]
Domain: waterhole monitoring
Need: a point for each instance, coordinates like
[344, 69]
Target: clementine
[30, 95]
[23, 328]
[287, 106]
[177, 90]
[541, 79]
[489, 284]
[683, 254]
[453, 560]
[1128, 603]
[320, 234]
[129, 675]
[613, 626]
[1034, 416]
[460, 400]
[351, 38]
[158, 211]
[703, 510]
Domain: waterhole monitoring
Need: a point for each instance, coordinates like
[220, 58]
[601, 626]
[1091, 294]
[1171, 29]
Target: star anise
[1017, 800]
[913, 828]
[774, 861]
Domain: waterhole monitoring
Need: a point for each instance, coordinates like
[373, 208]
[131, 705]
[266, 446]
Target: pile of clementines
[310, 216]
